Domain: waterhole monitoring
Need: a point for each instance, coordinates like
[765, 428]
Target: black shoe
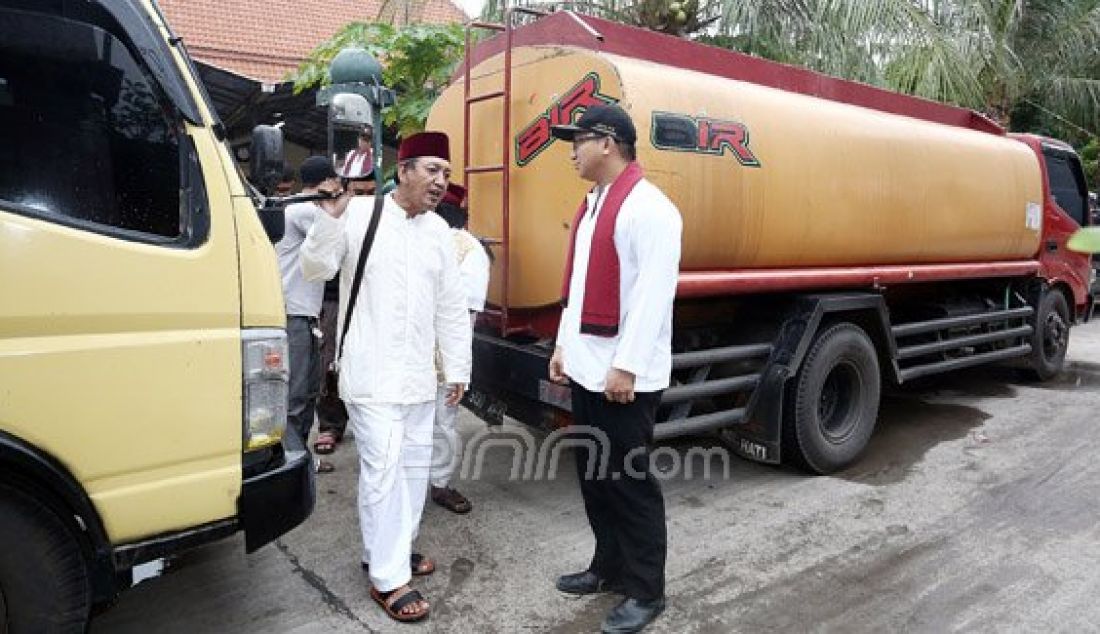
[632, 615]
[586, 582]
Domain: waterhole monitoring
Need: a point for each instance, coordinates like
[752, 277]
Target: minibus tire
[833, 401]
[43, 575]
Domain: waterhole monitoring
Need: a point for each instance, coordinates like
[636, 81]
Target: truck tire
[1050, 340]
[834, 404]
[44, 585]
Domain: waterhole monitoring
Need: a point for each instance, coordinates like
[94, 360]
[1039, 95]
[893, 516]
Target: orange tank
[764, 177]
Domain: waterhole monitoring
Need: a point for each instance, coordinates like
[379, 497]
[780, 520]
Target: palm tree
[1026, 63]
[1008, 58]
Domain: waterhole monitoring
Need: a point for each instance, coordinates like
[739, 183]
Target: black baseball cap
[316, 169]
[603, 119]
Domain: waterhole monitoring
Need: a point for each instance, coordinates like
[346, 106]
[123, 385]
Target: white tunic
[473, 268]
[647, 240]
[410, 299]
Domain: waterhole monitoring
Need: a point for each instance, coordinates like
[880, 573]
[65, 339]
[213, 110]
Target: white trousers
[446, 452]
[395, 452]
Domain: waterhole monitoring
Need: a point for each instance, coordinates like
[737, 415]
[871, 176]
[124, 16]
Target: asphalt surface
[974, 509]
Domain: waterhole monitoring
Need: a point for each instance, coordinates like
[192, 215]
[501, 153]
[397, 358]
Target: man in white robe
[410, 300]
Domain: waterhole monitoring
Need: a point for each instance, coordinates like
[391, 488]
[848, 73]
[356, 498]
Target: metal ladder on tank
[503, 167]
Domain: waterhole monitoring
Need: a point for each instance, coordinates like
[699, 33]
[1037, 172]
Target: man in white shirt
[303, 300]
[615, 348]
[473, 270]
[410, 300]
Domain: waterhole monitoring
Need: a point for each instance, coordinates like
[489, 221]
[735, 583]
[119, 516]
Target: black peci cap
[604, 119]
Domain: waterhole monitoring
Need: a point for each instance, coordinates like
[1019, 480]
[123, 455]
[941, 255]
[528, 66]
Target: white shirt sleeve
[654, 238]
[324, 247]
[452, 322]
[475, 274]
[303, 217]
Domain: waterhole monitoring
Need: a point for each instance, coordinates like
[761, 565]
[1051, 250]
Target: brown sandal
[451, 500]
[395, 601]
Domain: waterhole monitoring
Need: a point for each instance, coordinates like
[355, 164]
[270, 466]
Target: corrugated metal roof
[243, 103]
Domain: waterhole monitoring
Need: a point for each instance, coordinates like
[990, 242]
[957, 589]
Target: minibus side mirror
[265, 169]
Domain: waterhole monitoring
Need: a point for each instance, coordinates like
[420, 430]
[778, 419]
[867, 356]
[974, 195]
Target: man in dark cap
[303, 300]
[614, 347]
[409, 300]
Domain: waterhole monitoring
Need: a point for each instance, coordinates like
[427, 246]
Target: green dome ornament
[355, 65]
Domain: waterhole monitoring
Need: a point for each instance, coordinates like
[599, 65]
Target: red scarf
[600, 313]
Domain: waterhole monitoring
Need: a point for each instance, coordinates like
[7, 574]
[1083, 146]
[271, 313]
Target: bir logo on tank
[683, 133]
[536, 136]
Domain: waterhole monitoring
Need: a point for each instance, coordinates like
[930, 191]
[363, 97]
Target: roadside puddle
[907, 428]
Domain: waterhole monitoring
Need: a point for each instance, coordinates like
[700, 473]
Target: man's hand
[557, 367]
[336, 207]
[619, 386]
[454, 394]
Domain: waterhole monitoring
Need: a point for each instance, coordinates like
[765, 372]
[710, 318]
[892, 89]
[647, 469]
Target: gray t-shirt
[302, 298]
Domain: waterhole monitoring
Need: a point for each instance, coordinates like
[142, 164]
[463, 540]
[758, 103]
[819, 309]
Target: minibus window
[89, 138]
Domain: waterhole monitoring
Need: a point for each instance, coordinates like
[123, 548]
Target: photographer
[303, 300]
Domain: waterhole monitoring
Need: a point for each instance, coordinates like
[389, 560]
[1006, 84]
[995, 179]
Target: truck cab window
[89, 140]
[1067, 188]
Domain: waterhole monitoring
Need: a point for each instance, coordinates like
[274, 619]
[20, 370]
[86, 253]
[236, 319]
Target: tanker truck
[837, 237]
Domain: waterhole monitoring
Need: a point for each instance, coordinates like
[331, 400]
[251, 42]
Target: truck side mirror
[265, 169]
[349, 116]
[350, 110]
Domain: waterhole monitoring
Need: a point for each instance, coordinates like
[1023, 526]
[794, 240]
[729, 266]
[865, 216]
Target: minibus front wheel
[44, 583]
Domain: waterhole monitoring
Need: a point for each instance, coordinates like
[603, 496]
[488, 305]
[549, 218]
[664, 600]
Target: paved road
[974, 509]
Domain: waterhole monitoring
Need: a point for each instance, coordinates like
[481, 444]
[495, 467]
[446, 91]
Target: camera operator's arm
[326, 243]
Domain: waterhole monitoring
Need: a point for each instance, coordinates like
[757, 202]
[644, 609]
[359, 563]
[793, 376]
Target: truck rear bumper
[279, 499]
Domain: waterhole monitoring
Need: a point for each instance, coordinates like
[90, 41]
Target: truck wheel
[834, 406]
[1050, 340]
[44, 585]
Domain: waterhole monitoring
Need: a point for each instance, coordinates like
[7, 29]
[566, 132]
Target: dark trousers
[305, 374]
[625, 507]
[331, 415]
